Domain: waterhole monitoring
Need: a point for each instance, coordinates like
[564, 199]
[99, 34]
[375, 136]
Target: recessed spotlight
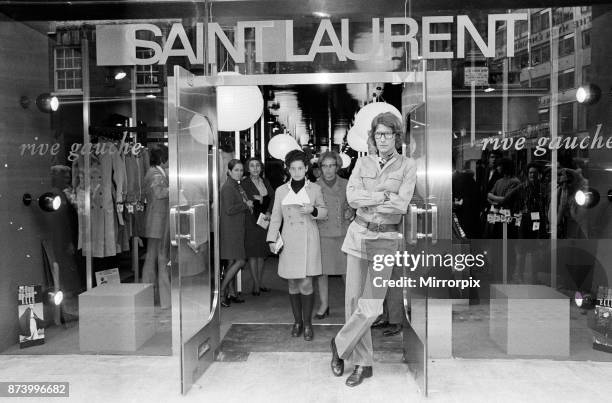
[321, 14]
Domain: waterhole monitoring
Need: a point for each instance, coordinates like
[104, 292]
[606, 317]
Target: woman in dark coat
[260, 192]
[235, 207]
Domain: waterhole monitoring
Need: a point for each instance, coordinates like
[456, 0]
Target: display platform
[530, 320]
[116, 317]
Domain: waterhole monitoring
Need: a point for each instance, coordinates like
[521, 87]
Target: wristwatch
[387, 198]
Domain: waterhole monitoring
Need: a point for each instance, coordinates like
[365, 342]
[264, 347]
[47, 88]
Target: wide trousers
[363, 304]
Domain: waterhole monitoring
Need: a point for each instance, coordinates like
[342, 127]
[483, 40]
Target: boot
[296, 307]
[307, 306]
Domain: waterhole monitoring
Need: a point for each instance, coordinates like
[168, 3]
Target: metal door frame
[438, 81]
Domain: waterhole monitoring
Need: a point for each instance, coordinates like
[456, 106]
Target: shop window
[147, 75]
[586, 39]
[566, 118]
[566, 45]
[566, 80]
[68, 73]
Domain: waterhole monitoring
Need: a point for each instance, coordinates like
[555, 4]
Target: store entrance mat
[243, 339]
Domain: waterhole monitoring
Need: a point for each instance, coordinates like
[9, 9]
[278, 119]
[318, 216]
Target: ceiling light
[151, 96]
[120, 75]
[489, 89]
[321, 14]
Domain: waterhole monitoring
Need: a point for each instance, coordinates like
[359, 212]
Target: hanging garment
[107, 183]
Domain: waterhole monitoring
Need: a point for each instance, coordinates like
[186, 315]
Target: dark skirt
[255, 238]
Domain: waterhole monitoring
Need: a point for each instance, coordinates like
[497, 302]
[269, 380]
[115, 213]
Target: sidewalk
[305, 377]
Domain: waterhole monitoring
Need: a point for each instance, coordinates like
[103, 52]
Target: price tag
[130, 208]
[517, 220]
[491, 218]
[535, 216]
[536, 226]
[505, 212]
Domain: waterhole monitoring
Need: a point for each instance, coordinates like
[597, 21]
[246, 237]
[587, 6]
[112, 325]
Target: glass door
[427, 226]
[193, 223]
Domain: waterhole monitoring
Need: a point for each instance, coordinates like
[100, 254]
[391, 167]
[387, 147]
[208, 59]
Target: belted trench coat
[301, 254]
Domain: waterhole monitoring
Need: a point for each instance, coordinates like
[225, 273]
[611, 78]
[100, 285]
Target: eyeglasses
[329, 165]
[386, 135]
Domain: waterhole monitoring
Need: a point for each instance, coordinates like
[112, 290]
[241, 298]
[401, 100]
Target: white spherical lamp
[370, 111]
[357, 138]
[238, 107]
[281, 144]
[200, 130]
[346, 160]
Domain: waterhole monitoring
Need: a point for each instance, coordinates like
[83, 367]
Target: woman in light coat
[297, 204]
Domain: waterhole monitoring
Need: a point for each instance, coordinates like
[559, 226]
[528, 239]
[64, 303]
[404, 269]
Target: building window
[520, 61]
[541, 83]
[540, 54]
[566, 45]
[68, 73]
[566, 80]
[540, 21]
[586, 74]
[562, 14]
[586, 39]
[566, 118]
[146, 75]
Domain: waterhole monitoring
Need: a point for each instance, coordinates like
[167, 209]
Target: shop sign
[478, 75]
[274, 40]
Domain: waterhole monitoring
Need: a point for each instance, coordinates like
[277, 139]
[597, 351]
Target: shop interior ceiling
[38, 10]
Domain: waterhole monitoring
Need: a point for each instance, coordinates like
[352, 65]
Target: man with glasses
[380, 188]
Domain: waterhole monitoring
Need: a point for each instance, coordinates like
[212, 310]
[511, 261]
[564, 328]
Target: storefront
[495, 102]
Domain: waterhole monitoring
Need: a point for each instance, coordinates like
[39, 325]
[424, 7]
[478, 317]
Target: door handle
[173, 214]
[415, 212]
[413, 227]
[434, 223]
[197, 218]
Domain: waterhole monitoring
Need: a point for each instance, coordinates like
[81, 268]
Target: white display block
[116, 317]
[530, 320]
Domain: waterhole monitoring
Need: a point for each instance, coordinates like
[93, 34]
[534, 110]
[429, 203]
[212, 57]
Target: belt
[376, 227]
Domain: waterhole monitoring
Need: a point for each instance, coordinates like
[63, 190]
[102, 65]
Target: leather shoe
[337, 363]
[308, 333]
[236, 299]
[359, 374]
[395, 329]
[296, 331]
[380, 323]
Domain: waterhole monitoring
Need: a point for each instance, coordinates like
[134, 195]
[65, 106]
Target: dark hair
[532, 165]
[391, 121]
[332, 155]
[246, 164]
[233, 162]
[507, 167]
[296, 155]
[496, 153]
[158, 155]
